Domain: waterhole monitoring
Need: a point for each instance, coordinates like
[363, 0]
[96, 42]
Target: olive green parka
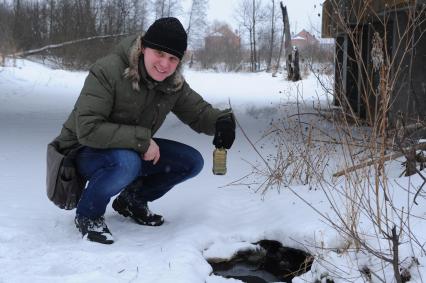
[121, 107]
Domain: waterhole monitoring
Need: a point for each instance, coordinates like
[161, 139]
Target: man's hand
[225, 131]
[153, 152]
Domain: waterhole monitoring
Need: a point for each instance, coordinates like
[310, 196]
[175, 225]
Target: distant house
[222, 49]
[357, 76]
[223, 37]
[304, 39]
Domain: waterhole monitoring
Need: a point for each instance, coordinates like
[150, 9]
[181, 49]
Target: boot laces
[98, 224]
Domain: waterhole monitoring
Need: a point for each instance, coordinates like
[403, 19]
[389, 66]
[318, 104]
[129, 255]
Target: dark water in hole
[248, 273]
[271, 263]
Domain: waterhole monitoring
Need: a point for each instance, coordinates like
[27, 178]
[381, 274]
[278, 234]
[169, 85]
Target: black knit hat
[168, 35]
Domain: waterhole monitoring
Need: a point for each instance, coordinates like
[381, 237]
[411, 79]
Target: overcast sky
[303, 14]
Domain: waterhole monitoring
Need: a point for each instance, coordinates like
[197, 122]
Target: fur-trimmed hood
[134, 51]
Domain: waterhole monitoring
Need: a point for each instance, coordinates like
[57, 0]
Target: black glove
[225, 131]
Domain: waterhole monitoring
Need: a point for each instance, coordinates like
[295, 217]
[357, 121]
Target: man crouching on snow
[124, 101]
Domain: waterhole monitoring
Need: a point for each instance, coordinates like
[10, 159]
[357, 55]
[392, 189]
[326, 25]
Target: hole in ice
[269, 262]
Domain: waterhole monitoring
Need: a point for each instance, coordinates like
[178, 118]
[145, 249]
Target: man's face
[159, 64]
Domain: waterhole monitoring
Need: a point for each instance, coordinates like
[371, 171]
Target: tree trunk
[191, 13]
[191, 61]
[169, 10]
[254, 37]
[287, 41]
[251, 50]
[277, 65]
[289, 66]
[271, 43]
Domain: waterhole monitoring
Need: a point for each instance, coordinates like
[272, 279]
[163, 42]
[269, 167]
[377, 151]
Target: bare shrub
[372, 211]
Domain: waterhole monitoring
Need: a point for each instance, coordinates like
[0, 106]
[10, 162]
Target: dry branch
[62, 44]
[385, 158]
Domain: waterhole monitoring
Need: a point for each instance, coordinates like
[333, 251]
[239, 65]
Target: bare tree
[272, 35]
[167, 8]
[159, 8]
[253, 16]
[197, 22]
[28, 25]
[141, 14]
[6, 34]
[249, 14]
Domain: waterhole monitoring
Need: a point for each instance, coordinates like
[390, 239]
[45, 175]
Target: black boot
[139, 212]
[94, 230]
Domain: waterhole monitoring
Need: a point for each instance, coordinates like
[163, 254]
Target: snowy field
[204, 217]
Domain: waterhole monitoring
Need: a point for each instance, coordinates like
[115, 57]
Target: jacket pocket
[63, 184]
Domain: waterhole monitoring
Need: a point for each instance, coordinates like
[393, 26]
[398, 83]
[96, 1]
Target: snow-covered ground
[204, 217]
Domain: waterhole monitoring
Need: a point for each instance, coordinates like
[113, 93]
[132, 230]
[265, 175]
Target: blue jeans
[109, 171]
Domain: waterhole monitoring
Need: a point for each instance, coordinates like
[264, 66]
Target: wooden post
[410, 166]
[296, 69]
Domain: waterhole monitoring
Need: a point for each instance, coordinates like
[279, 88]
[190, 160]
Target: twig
[421, 187]
[250, 142]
